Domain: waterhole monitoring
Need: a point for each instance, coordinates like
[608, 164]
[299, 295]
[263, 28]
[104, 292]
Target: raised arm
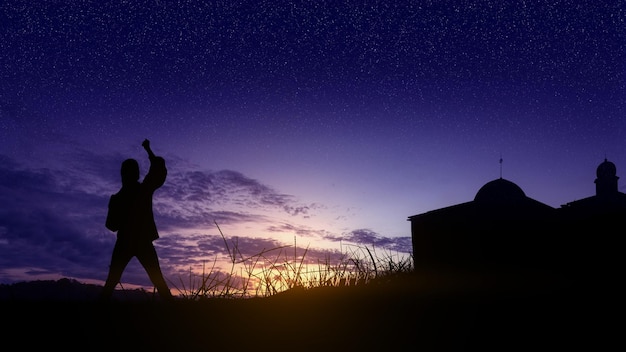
[146, 146]
[158, 172]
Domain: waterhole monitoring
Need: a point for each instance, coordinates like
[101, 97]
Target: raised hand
[146, 146]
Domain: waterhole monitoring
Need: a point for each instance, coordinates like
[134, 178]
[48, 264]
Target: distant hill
[62, 290]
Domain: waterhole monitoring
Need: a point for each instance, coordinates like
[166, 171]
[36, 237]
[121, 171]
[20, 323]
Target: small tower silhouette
[606, 179]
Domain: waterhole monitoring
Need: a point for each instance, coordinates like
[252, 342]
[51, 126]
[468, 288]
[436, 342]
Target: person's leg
[119, 260]
[148, 258]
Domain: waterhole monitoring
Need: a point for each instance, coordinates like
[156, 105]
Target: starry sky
[311, 124]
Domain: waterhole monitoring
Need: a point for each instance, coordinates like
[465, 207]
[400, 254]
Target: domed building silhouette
[503, 229]
[497, 229]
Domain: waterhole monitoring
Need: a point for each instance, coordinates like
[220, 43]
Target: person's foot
[166, 296]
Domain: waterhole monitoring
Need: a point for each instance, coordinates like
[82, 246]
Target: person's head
[130, 171]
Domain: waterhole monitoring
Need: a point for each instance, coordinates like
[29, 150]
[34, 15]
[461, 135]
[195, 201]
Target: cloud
[371, 238]
[52, 221]
[48, 225]
[192, 198]
[53, 218]
[299, 230]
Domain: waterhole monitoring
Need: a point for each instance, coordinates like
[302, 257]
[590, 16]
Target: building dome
[499, 191]
[606, 169]
[606, 181]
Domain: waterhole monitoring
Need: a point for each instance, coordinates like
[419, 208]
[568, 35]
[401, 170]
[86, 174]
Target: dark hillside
[403, 313]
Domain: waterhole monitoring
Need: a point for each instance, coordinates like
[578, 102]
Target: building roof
[500, 191]
[494, 196]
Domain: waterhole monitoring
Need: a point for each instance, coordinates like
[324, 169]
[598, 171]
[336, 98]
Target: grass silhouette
[273, 270]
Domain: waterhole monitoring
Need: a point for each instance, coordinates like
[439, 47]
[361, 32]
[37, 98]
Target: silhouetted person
[130, 214]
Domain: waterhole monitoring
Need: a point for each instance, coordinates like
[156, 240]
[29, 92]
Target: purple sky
[325, 122]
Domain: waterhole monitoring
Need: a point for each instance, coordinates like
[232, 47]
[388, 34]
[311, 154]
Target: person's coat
[130, 210]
